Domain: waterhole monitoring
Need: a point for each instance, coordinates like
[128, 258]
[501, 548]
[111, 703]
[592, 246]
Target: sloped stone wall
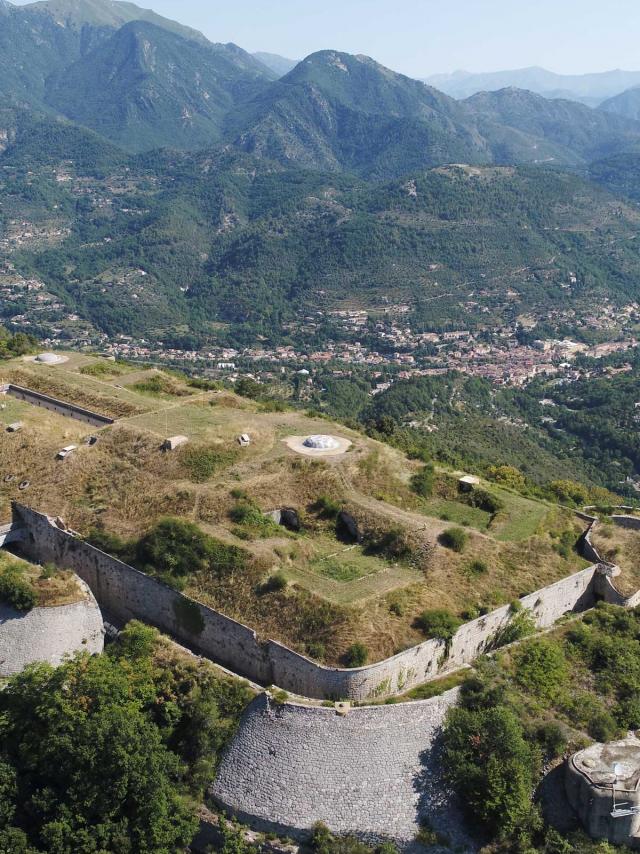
[374, 772]
[125, 593]
[49, 634]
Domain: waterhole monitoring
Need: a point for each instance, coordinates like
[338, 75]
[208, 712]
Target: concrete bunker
[602, 784]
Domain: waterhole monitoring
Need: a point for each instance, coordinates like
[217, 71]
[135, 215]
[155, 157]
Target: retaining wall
[632, 522]
[48, 634]
[125, 593]
[69, 410]
[374, 772]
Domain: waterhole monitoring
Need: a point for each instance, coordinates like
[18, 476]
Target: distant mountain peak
[280, 65]
[107, 13]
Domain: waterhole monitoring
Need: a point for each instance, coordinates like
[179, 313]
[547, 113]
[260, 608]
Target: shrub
[16, 590]
[521, 625]
[603, 727]
[356, 655]
[327, 508]
[507, 476]
[454, 539]
[247, 387]
[177, 548]
[485, 500]
[477, 567]
[203, 463]
[551, 738]
[422, 482]
[541, 668]
[438, 624]
[275, 583]
[392, 544]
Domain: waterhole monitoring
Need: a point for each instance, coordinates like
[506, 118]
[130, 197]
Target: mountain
[337, 111]
[626, 104]
[146, 87]
[589, 89]
[77, 14]
[572, 133]
[280, 65]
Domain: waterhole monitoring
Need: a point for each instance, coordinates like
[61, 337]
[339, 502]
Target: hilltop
[332, 592]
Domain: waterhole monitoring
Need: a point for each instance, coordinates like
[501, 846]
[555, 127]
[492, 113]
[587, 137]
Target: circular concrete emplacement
[318, 446]
[49, 359]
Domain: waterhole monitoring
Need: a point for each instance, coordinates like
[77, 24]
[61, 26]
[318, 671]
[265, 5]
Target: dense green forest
[232, 248]
[111, 752]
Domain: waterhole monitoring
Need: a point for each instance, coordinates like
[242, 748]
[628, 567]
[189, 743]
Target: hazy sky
[421, 37]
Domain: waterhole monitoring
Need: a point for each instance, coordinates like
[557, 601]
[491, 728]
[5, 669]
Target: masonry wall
[69, 410]
[125, 593]
[632, 522]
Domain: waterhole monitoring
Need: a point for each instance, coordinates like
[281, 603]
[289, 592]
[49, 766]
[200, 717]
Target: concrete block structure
[603, 787]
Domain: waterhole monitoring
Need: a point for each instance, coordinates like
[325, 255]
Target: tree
[491, 765]
[92, 772]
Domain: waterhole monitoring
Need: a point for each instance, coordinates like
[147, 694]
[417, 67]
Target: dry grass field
[622, 547]
[336, 594]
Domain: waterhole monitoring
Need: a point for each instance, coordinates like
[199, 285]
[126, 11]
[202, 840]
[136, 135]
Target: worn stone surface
[371, 773]
[48, 634]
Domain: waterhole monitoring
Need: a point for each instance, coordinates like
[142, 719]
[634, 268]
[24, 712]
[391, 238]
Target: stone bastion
[373, 772]
[49, 634]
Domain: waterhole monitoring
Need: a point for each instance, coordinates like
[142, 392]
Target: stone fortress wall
[374, 772]
[49, 634]
[124, 593]
[45, 401]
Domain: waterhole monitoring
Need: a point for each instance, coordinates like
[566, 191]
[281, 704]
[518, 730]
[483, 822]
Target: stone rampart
[69, 410]
[125, 593]
[373, 772]
[631, 522]
[48, 634]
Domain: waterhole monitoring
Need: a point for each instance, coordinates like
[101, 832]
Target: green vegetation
[324, 842]
[203, 462]
[175, 549]
[113, 750]
[439, 624]
[422, 482]
[15, 588]
[454, 539]
[530, 705]
[16, 344]
[356, 655]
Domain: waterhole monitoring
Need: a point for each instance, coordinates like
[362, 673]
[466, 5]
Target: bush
[438, 624]
[422, 482]
[507, 476]
[603, 727]
[327, 508]
[551, 738]
[16, 590]
[477, 567]
[275, 583]
[541, 667]
[454, 539]
[485, 500]
[356, 655]
[203, 463]
[177, 548]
